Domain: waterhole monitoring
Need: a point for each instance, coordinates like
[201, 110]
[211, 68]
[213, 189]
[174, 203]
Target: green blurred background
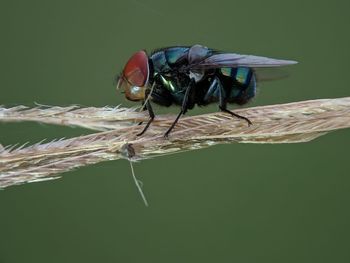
[228, 203]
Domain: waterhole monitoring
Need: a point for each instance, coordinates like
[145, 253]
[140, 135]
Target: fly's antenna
[130, 152]
[117, 81]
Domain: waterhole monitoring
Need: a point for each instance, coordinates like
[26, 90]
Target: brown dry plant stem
[283, 123]
[99, 119]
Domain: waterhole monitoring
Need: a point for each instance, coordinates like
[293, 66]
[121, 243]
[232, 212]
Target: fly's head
[134, 77]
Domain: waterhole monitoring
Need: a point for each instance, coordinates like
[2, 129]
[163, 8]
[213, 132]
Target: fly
[192, 75]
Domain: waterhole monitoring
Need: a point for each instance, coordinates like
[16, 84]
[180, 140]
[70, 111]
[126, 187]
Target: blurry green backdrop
[228, 203]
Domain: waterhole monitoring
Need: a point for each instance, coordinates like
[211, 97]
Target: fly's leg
[236, 115]
[184, 107]
[143, 108]
[223, 105]
[151, 116]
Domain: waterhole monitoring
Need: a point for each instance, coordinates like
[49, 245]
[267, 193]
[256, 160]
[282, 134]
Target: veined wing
[233, 60]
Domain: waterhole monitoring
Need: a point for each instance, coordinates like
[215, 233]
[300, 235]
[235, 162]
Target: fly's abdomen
[239, 83]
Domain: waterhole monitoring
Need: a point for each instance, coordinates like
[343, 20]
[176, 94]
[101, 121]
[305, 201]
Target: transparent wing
[269, 74]
[237, 60]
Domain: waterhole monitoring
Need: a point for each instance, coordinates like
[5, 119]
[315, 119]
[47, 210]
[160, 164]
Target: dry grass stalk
[284, 123]
[99, 119]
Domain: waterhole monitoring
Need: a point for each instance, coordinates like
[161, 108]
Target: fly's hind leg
[223, 105]
[224, 109]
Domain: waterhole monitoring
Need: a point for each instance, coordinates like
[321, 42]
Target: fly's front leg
[143, 108]
[184, 106]
[150, 112]
[223, 105]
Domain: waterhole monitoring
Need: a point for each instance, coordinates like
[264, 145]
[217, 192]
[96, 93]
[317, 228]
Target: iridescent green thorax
[175, 88]
[176, 55]
[165, 60]
[168, 84]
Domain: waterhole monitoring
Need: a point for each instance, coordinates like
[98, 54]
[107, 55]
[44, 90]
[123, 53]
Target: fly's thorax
[159, 62]
[169, 88]
[167, 83]
[168, 59]
[174, 83]
[170, 67]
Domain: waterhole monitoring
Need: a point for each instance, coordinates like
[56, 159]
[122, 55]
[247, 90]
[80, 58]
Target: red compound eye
[136, 70]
